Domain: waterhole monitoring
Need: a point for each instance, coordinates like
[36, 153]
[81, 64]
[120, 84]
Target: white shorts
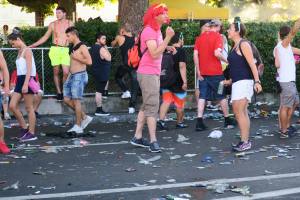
[242, 89]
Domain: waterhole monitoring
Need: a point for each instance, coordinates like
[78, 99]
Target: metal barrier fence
[45, 72]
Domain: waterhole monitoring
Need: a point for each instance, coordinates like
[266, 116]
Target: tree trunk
[39, 18]
[70, 6]
[131, 12]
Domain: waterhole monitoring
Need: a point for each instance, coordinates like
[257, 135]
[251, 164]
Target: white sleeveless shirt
[22, 67]
[287, 69]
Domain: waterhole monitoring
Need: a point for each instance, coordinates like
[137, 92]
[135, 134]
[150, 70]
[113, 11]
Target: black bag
[256, 55]
[168, 74]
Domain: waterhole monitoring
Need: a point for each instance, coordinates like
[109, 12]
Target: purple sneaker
[242, 146]
[23, 132]
[28, 137]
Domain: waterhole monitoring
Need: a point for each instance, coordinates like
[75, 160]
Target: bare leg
[140, 125]
[283, 114]
[78, 111]
[151, 122]
[1, 131]
[71, 105]
[241, 114]
[164, 107]
[180, 114]
[28, 99]
[224, 106]
[56, 79]
[66, 70]
[14, 107]
[98, 99]
[201, 106]
[37, 99]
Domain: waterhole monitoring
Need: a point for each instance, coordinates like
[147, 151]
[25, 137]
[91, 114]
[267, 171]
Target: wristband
[257, 82]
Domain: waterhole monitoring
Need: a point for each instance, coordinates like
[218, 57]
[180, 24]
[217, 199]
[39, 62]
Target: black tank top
[100, 67]
[128, 43]
[239, 68]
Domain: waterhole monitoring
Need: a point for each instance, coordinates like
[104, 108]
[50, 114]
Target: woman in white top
[26, 71]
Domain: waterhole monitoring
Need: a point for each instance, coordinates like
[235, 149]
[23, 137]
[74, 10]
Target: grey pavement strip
[269, 194]
[154, 187]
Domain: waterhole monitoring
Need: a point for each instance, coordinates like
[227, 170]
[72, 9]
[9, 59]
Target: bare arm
[291, 35]
[117, 41]
[83, 55]
[220, 56]
[277, 62]
[5, 72]
[182, 68]
[247, 51]
[28, 58]
[156, 51]
[296, 50]
[104, 53]
[196, 63]
[44, 38]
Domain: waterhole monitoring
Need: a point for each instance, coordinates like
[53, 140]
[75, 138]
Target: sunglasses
[238, 25]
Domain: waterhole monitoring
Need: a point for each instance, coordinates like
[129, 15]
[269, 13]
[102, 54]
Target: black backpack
[256, 55]
[168, 73]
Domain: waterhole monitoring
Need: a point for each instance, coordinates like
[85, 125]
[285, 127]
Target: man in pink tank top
[59, 51]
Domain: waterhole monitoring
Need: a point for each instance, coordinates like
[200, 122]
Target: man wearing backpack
[125, 40]
[175, 93]
[153, 46]
[207, 62]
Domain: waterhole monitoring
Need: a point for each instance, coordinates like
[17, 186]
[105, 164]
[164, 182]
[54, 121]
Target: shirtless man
[59, 51]
[77, 80]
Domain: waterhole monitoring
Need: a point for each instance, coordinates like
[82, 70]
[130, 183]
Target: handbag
[33, 85]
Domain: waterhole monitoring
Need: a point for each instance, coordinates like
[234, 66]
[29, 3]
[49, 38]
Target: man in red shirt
[207, 61]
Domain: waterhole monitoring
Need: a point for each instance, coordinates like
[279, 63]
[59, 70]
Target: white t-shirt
[287, 69]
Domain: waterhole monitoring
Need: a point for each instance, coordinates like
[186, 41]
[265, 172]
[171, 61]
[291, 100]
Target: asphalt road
[107, 167]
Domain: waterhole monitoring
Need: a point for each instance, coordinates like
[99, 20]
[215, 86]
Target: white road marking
[72, 145]
[152, 187]
[262, 195]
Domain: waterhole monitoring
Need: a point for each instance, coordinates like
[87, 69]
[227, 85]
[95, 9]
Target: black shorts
[100, 86]
[20, 83]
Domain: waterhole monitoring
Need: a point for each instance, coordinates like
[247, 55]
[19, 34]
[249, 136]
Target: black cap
[204, 21]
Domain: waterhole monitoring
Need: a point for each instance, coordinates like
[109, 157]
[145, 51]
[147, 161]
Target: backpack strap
[139, 44]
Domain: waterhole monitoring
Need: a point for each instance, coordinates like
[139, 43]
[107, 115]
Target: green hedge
[264, 36]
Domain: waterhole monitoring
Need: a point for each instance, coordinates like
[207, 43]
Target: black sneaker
[229, 123]
[181, 125]
[154, 147]
[100, 112]
[37, 115]
[211, 107]
[162, 125]
[200, 126]
[139, 142]
[59, 97]
[105, 94]
[283, 135]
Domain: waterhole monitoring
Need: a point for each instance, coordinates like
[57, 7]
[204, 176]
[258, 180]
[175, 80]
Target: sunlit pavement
[104, 165]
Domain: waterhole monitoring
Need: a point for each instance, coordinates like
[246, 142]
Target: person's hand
[6, 91]
[200, 77]
[170, 32]
[171, 49]
[218, 53]
[25, 89]
[75, 55]
[227, 82]
[257, 87]
[184, 86]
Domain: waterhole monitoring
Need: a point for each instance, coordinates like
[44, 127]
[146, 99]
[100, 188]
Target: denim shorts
[209, 88]
[75, 84]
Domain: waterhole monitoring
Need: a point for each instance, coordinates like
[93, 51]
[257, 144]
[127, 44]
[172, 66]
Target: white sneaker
[126, 95]
[131, 110]
[77, 129]
[86, 122]
[7, 116]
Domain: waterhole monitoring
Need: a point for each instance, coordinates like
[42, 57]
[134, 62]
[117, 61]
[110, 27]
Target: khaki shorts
[149, 85]
[289, 96]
